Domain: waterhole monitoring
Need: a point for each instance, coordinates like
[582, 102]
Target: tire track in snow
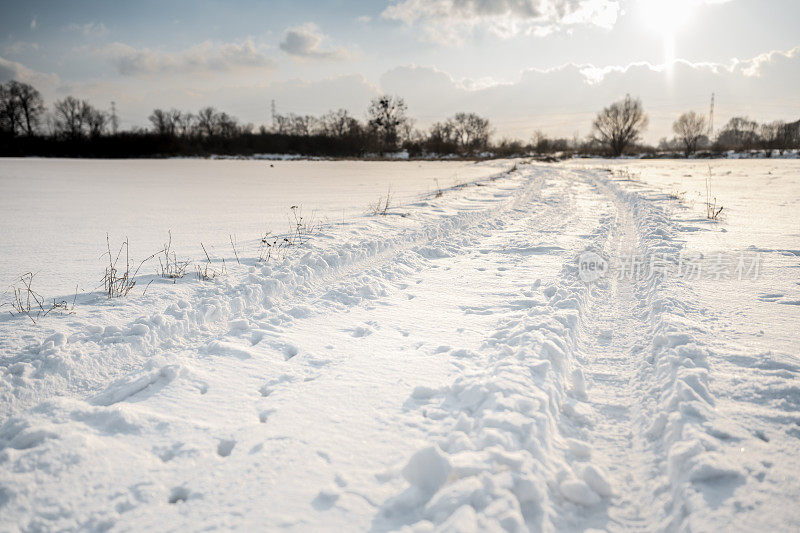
[611, 344]
[500, 459]
[678, 469]
[524, 444]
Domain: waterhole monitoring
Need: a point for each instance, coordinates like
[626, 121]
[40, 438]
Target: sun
[667, 16]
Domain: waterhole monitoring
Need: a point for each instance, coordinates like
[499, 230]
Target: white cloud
[753, 67]
[305, 42]
[90, 29]
[33, 23]
[11, 70]
[451, 21]
[203, 58]
[563, 100]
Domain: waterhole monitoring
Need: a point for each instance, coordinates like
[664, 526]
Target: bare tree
[387, 114]
[471, 131]
[29, 104]
[9, 110]
[185, 123]
[206, 121]
[407, 132]
[771, 136]
[303, 124]
[740, 133]
[96, 121]
[690, 128]
[539, 142]
[70, 116]
[162, 122]
[300, 125]
[226, 125]
[790, 136]
[443, 132]
[339, 124]
[620, 125]
[508, 147]
[77, 118]
[282, 124]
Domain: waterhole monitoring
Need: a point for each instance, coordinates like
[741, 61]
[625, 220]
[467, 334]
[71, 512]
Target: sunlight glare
[667, 16]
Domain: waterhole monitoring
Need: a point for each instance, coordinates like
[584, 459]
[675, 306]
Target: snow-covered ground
[457, 367]
[57, 212]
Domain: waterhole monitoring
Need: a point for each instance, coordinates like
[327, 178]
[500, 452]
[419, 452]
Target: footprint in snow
[319, 362]
[168, 454]
[290, 350]
[361, 331]
[178, 495]
[225, 447]
[257, 336]
[325, 457]
[325, 499]
[269, 387]
[223, 348]
[257, 448]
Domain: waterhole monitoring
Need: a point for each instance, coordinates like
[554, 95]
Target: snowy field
[453, 365]
[57, 212]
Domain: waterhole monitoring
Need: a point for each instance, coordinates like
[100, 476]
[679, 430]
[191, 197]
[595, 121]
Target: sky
[527, 65]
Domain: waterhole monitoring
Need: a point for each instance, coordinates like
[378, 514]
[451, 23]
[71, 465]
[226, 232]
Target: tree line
[739, 134]
[619, 126]
[74, 127]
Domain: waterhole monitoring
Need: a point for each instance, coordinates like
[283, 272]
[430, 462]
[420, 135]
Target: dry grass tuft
[118, 281]
[382, 206]
[207, 272]
[27, 301]
[171, 268]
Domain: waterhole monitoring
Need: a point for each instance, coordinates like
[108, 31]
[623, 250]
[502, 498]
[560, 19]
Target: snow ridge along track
[446, 369]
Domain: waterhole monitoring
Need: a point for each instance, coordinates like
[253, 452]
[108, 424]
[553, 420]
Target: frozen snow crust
[239, 403]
